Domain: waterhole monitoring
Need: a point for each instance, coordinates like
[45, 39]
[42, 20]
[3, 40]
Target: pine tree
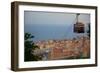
[29, 47]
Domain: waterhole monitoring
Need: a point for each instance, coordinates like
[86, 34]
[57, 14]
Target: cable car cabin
[79, 27]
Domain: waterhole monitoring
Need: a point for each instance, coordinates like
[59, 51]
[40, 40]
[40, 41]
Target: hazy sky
[51, 25]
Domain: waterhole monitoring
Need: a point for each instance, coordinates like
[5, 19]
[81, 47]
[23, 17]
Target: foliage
[29, 47]
[88, 32]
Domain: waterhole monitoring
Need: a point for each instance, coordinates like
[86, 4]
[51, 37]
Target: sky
[52, 25]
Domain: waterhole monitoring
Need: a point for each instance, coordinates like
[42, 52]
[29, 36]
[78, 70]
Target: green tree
[88, 32]
[29, 47]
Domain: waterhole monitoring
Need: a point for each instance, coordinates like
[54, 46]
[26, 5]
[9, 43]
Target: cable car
[79, 27]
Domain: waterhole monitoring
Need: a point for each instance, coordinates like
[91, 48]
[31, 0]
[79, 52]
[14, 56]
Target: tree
[29, 46]
[88, 32]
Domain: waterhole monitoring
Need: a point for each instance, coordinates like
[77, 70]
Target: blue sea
[47, 32]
